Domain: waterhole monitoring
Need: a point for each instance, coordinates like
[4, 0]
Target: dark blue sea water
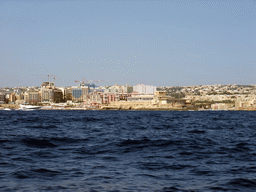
[127, 151]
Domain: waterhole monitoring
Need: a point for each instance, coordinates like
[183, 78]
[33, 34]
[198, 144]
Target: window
[77, 93]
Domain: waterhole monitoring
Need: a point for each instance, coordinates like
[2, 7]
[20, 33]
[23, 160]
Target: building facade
[47, 95]
[2, 98]
[34, 97]
[57, 96]
[144, 89]
[79, 93]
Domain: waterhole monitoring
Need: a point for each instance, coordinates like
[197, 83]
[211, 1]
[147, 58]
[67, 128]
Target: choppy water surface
[127, 151]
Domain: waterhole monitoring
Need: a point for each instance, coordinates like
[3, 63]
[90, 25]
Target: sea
[180, 151]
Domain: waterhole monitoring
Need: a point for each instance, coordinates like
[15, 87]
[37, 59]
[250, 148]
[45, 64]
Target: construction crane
[54, 78]
[82, 81]
[49, 77]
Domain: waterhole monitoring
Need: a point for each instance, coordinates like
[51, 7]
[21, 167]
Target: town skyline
[127, 97]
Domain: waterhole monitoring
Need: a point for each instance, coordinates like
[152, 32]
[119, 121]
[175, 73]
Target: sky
[154, 42]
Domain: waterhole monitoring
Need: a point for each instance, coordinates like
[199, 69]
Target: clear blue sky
[162, 43]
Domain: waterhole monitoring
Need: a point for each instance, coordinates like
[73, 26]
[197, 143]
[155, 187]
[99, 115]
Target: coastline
[117, 108]
[143, 109]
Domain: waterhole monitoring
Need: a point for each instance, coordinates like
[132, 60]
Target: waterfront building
[93, 100]
[63, 90]
[124, 96]
[246, 102]
[12, 98]
[79, 93]
[117, 93]
[144, 89]
[25, 96]
[108, 98]
[2, 98]
[34, 97]
[219, 106]
[68, 94]
[57, 96]
[47, 95]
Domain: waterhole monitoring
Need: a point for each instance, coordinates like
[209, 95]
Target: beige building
[46, 90]
[34, 97]
[93, 100]
[244, 102]
[79, 93]
[219, 106]
[47, 95]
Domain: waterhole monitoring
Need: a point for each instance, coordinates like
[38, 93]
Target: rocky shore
[126, 108]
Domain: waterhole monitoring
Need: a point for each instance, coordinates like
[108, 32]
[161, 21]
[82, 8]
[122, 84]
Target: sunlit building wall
[144, 89]
[79, 93]
[33, 97]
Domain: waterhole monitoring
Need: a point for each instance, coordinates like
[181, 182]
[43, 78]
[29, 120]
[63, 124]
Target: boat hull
[29, 107]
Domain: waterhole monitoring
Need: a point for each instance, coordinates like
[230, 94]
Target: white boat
[26, 107]
[7, 109]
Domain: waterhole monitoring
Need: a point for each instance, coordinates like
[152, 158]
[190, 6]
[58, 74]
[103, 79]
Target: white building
[144, 89]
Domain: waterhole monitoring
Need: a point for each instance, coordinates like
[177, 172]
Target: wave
[33, 173]
[174, 189]
[219, 189]
[234, 150]
[47, 172]
[21, 175]
[189, 144]
[4, 140]
[145, 142]
[243, 182]
[38, 143]
[197, 131]
[92, 151]
[42, 126]
[85, 119]
[201, 172]
[65, 139]
[157, 166]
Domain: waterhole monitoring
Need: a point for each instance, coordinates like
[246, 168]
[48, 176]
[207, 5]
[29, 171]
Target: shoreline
[111, 108]
[141, 109]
